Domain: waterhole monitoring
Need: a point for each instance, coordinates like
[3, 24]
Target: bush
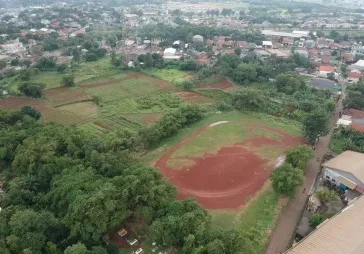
[61, 68]
[32, 112]
[170, 124]
[325, 194]
[224, 106]
[186, 85]
[316, 219]
[68, 80]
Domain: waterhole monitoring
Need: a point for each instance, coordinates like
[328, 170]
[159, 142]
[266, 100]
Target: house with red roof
[354, 76]
[324, 70]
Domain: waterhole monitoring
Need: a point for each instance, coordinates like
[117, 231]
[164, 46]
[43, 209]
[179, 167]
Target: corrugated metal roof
[349, 161]
[343, 233]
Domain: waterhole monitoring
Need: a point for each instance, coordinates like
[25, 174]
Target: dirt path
[291, 214]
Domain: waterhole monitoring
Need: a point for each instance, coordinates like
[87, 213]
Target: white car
[138, 251]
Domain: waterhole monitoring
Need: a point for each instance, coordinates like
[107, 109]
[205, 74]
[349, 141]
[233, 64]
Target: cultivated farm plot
[64, 95]
[49, 114]
[170, 75]
[126, 89]
[51, 79]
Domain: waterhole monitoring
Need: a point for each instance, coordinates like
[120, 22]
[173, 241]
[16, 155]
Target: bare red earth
[222, 85]
[225, 179]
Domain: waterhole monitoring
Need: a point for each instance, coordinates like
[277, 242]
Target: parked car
[131, 241]
[138, 251]
[122, 232]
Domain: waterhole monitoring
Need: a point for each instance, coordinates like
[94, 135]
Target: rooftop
[327, 68]
[343, 233]
[349, 161]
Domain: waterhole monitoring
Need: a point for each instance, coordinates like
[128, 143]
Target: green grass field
[211, 140]
[170, 75]
[291, 127]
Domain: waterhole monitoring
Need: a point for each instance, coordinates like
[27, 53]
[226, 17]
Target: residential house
[348, 58]
[267, 44]
[242, 44]
[322, 43]
[343, 233]
[359, 65]
[354, 76]
[170, 54]
[352, 117]
[346, 171]
[302, 52]
[287, 41]
[324, 70]
[262, 54]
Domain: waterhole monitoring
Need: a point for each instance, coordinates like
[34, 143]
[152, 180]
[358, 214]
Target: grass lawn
[256, 220]
[91, 70]
[213, 139]
[52, 79]
[291, 127]
[130, 88]
[170, 75]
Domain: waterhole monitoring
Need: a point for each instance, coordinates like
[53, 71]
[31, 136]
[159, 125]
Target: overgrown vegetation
[347, 138]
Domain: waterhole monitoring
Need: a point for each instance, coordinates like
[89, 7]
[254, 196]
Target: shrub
[325, 194]
[316, 219]
[68, 80]
[286, 179]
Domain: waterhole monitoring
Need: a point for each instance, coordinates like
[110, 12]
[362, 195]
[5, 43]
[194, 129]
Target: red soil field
[19, 102]
[224, 180]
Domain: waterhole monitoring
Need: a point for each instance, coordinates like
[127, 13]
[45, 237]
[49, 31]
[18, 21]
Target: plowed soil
[229, 177]
[222, 85]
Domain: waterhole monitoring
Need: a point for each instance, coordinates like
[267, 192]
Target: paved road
[288, 220]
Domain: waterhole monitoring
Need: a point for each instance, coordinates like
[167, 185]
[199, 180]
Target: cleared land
[224, 163]
[170, 75]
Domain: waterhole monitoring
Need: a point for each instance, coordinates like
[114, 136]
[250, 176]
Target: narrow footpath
[288, 220]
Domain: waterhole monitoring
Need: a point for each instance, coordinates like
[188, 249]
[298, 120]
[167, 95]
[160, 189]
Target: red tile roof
[327, 68]
[354, 74]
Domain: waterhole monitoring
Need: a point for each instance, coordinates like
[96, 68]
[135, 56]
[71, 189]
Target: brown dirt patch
[104, 83]
[159, 83]
[64, 95]
[224, 84]
[151, 118]
[228, 178]
[195, 98]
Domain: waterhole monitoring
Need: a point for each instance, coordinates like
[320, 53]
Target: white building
[346, 171]
[171, 54]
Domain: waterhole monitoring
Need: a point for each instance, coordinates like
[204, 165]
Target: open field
[224, 163]
[170, 75]
[225, 166]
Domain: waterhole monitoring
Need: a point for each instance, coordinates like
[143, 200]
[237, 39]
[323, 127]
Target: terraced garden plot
[64, 95]
[170, 75]
[126, 89]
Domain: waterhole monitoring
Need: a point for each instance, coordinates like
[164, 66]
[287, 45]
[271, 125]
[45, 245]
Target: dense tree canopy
[286, 179]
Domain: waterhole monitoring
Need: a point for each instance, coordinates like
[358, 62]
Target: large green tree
[286, 179]
[300, 156]
[316, 124]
